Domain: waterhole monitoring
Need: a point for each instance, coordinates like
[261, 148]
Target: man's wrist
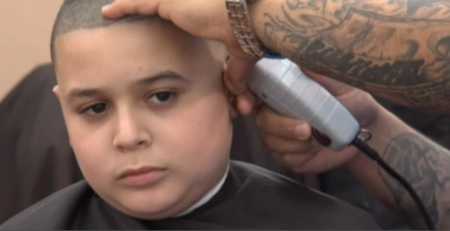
[239, 17]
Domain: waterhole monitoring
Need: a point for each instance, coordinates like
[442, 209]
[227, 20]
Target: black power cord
[369, 151]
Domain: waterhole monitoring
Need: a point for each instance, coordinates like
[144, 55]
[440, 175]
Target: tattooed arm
[421, 162]
[397, 50]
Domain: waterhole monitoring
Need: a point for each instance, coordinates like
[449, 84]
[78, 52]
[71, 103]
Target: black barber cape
[251, 198]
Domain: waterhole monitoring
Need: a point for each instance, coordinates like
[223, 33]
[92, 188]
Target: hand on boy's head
[211, 25]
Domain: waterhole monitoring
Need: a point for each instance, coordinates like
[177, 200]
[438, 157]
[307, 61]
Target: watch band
[240, 22]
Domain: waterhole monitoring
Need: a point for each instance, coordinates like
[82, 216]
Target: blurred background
[25, 27]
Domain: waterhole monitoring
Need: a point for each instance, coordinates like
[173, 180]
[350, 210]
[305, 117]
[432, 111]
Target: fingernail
[301, 131]
[107, 7]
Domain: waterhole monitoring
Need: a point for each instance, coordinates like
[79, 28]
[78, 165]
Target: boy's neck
[208, 196]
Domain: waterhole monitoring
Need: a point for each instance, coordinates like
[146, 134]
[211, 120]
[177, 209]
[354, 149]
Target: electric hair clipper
[284, 87]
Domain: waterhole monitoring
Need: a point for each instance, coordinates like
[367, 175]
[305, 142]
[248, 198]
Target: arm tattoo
[425, 166]
[396, 49]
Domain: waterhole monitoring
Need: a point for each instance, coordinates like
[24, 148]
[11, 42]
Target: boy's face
[147, 115]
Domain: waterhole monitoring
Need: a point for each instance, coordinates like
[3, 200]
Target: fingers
[283, 145]
[296, 161]
[277, 125]
[120, 8]
[287, 138]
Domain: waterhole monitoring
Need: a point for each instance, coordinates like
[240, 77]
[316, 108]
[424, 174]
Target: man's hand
[207, 19]
[291, 142]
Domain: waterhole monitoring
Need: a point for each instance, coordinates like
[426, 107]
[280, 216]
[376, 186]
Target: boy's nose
[130, 134]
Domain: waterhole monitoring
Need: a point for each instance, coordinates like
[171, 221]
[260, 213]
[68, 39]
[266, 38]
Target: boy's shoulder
[286, 203]
[74, 207]
[53, 212]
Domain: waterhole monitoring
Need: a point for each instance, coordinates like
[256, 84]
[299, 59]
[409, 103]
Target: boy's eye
[161, 97]
[96, 109]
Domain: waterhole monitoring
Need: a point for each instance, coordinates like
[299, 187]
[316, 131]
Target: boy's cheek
[90, 154]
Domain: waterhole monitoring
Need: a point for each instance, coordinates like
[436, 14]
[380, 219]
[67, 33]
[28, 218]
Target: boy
[149, 123]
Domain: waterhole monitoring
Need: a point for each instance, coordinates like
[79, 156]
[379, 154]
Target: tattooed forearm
[425, 166]
[398, 50]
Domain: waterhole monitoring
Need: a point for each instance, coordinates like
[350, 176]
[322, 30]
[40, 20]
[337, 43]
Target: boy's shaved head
[85, 14]
[133, 92]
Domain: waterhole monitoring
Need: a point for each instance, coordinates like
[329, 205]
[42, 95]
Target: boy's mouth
[142, 176]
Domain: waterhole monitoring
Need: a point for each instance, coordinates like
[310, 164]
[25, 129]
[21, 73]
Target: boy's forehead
[113, 48]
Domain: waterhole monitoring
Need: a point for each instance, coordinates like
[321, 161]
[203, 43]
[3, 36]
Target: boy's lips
[143, 176]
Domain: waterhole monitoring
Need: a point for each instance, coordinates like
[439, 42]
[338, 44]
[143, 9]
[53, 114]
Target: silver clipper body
[284, 87]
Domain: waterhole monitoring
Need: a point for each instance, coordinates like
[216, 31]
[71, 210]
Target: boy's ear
[56, 91]
[231, 98]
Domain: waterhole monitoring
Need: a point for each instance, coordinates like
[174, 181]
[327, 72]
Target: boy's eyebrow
[82, 93]
[91, 92]
[165, 75]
